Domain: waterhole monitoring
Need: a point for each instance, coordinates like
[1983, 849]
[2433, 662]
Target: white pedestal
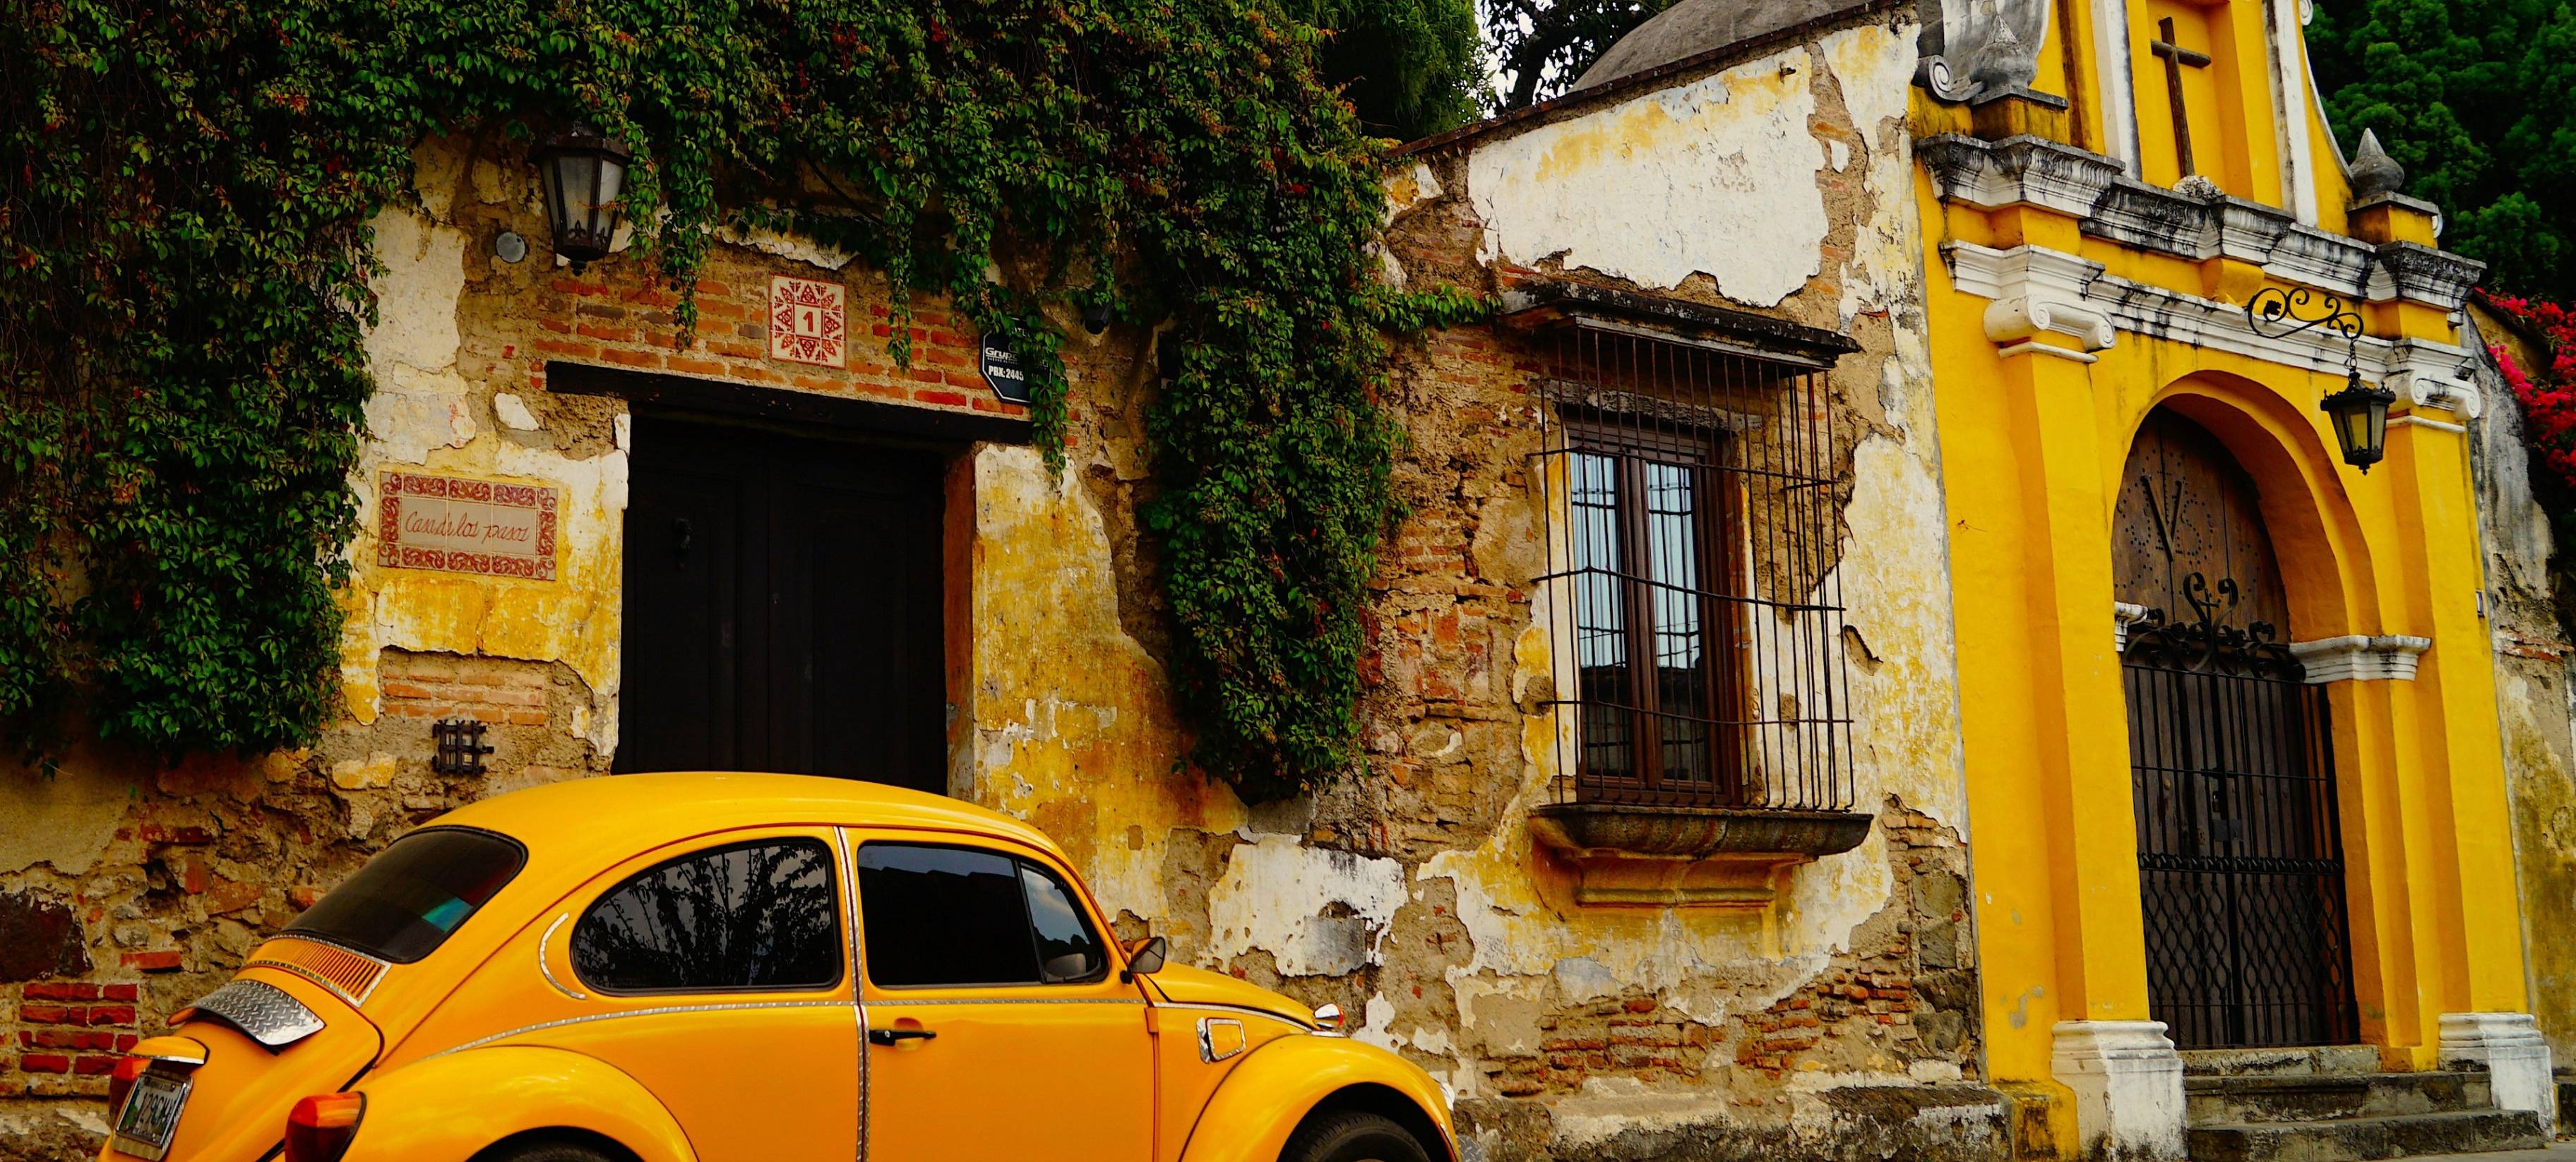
[2509, 1048]
[2127, 1080]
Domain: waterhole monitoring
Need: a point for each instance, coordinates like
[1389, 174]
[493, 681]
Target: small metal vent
[351, 975]
[1695, 605]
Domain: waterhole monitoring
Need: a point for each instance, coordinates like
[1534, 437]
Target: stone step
[2225, 1100]
[2368, 1139]
[2301, 1061]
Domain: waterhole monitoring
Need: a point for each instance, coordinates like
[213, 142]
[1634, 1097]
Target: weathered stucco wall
[1781, 183]
[1412, 892]
[2535, 690]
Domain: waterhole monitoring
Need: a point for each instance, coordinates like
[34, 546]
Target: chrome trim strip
[548, 969]
[850, 923]
[657, 1011]
[1014, 1001]
[1216, 1006]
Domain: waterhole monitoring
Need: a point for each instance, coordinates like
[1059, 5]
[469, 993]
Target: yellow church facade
[2226, 686]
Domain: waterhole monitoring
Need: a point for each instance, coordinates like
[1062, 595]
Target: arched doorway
[2240, 860]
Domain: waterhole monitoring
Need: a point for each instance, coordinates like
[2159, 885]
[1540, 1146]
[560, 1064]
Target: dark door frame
[751, 409]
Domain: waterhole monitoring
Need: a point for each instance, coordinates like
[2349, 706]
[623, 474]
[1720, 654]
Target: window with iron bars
[1693, 594]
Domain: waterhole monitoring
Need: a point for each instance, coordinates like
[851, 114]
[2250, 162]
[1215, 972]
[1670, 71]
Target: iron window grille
[1693, 596]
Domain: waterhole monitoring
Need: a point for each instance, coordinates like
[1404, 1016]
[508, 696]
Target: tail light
[120, 1081]
[320, 1127]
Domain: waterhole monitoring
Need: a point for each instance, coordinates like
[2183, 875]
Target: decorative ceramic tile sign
[456, 525]
[809, 321]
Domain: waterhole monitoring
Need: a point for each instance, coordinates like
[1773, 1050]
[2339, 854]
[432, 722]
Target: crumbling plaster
[1409, 892]
[2535, 689]
[1716, 177]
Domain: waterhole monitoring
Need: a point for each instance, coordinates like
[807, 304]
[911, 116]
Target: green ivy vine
[185, 187]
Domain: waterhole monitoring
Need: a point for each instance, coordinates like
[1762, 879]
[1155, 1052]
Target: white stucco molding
[2035, 290]
[2509, 1047]
[2431, 375]
[2127, 1080]
[2361, 658]
[2123, 616]
[2077, 292]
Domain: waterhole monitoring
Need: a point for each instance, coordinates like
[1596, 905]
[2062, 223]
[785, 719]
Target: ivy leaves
[184, 285]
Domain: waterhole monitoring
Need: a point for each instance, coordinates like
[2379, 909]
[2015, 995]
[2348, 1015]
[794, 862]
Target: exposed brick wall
[619, 321]
[67, 1035]
[438, 686]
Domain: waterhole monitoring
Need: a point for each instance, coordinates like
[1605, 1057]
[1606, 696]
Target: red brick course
[62, 1035]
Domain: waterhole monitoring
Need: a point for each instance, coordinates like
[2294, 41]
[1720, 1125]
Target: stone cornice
[2359, 658]
[2016, 171]
[2421, 274]
[2034, 171]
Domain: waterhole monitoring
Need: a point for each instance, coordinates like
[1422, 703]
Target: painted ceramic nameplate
[809, 320]
[456, 525]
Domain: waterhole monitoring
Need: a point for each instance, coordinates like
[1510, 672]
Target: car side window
[960, 916]
[1067, 951]
[762, 915]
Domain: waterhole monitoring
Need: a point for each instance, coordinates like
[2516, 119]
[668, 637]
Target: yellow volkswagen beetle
[661, 968]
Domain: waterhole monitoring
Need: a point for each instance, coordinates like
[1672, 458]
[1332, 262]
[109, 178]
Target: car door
[717, 973]
[997, 1024]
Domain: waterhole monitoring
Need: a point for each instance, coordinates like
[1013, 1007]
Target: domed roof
[1693, 27]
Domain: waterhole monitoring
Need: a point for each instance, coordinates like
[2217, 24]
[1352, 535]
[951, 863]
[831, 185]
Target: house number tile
[809, 321]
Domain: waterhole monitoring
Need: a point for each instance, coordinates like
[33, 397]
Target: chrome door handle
[898, 1036]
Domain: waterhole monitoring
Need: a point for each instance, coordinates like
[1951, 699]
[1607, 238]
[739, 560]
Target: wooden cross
[2175, 57]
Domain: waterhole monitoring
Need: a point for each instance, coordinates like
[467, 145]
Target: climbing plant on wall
[184, 286]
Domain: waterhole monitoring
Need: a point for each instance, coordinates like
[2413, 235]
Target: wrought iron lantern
[2358, 413]
[585, 176]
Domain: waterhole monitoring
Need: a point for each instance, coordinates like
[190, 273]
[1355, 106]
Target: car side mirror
[1145, 957]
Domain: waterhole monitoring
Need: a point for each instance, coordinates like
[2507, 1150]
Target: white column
[2509, 1048]
[2127, 1080]
[2118, 94]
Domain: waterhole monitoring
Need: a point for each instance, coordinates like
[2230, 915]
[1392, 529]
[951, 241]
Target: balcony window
[1693, 595]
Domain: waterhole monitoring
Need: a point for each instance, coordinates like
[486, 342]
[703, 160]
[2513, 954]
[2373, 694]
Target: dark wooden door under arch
[2240, 855]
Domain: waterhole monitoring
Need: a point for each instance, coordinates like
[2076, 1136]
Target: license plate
[151, 1115]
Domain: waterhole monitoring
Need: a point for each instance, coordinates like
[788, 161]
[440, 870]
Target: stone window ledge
[1734, 858]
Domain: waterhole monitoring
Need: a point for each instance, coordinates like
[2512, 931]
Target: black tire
[543, 1150]
[1352, 1136]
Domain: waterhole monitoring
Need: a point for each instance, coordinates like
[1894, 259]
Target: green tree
[1541, 47]
[1409, 68]
[2475, 99]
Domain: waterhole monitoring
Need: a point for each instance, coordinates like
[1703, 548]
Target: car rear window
[405, 902]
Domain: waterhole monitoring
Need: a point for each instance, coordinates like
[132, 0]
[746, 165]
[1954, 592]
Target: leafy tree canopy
[1410, 68]
[2477, 99]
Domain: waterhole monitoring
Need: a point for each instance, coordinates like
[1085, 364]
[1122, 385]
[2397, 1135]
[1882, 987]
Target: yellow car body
[546, 1013]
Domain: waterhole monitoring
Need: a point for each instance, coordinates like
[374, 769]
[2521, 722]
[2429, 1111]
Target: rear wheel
[1352, 1136]
[544, 1150]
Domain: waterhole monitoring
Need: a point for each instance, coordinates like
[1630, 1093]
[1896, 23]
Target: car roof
[597, 821]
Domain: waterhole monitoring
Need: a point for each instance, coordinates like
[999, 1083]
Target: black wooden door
[783, 607]
[2240, 858]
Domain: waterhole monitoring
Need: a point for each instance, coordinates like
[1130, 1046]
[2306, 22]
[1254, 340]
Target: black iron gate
[2240, 861]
